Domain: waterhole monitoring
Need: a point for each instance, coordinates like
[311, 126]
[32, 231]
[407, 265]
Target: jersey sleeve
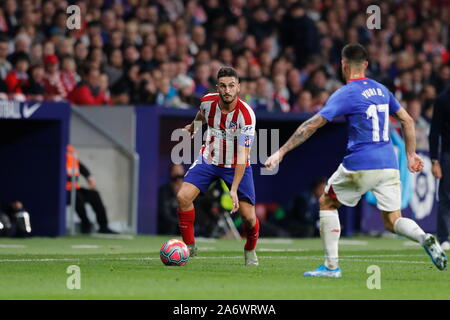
[394, 105]
[204, 105]
[248, 128]
[337, 105]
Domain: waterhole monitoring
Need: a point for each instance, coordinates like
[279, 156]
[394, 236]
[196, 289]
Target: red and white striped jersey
[226, 131]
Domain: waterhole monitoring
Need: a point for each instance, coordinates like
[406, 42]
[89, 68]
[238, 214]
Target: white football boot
[434, 250]
[192, 250]
[250, 258]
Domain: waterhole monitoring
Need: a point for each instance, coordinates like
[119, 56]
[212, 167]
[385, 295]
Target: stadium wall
[98, 134]
[34, 138]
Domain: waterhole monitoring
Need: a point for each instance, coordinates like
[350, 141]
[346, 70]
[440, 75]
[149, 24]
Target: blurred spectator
[166, 94]
[54, 88]
[280, 94]
[35, 90]
[114, 67]
[80, 53]
[88, 91]
[304, 39]
[37, 53]
[185, 98]
[17, 78]
[304, 102]
[422, 126]
[202, 80]
[263, 96]
[146, 61]
[128, 84]
[69, 76]
[319, 100]
[294, 85]
[5, 65]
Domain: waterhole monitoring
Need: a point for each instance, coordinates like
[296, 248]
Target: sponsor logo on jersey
[247, 129]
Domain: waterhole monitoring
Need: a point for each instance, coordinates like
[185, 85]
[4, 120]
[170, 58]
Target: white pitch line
[112, 236]
[411, 244]
[13, 246]
[366, 260]
[281, 250]
[85, 246]
[275, 241]
[207, 240]
[350, 258]
[353, 242]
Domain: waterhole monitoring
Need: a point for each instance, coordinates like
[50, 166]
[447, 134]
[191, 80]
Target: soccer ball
[174, 253]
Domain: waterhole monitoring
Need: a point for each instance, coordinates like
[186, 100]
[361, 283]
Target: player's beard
[228, 99]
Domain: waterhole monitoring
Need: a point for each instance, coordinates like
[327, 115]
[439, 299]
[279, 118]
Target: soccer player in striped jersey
[225, 155]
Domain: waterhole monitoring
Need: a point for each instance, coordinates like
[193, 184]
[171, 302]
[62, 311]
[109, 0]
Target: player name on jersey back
[372, 92]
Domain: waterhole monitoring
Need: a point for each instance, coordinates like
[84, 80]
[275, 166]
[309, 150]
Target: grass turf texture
[131, 269]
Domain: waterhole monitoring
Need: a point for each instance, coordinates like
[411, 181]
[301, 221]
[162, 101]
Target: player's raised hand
[273, 160]
[415, 163]
[191, 129]
[235, 199]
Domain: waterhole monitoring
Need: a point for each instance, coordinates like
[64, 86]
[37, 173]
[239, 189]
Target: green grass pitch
[130, 268]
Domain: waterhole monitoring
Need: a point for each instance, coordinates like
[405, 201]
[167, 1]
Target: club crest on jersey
[233, 126]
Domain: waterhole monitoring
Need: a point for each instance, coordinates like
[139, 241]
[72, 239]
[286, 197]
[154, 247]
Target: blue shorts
[201, 174]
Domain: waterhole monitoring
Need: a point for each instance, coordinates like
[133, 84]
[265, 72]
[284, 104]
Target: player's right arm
[303, 132]
[415, 163]
[191, 127]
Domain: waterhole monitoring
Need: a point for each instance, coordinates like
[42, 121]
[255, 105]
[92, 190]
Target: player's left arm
[303, 132]
[243, 153]
[245, 142]
[415, 162]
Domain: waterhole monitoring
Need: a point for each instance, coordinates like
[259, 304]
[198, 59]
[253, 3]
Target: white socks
[409, 228]
[330, 231]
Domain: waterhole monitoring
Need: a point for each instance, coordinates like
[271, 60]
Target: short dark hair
[227, 72]
[20, 56]
[354, 53]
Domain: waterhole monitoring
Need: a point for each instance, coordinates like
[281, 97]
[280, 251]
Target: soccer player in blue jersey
[370, 163]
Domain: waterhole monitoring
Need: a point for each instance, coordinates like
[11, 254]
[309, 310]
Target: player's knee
[389, 220]
[249, 221]
[184, 200]
[326, 202]
[388, 225]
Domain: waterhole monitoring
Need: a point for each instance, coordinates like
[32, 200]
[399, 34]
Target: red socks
[186, 223]
[252, 236]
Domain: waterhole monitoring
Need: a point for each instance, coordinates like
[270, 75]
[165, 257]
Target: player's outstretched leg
[394, 222]
[330, 231]
[251, 229]
[186, 215]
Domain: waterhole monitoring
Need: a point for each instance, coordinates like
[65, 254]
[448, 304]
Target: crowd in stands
[167, 52]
